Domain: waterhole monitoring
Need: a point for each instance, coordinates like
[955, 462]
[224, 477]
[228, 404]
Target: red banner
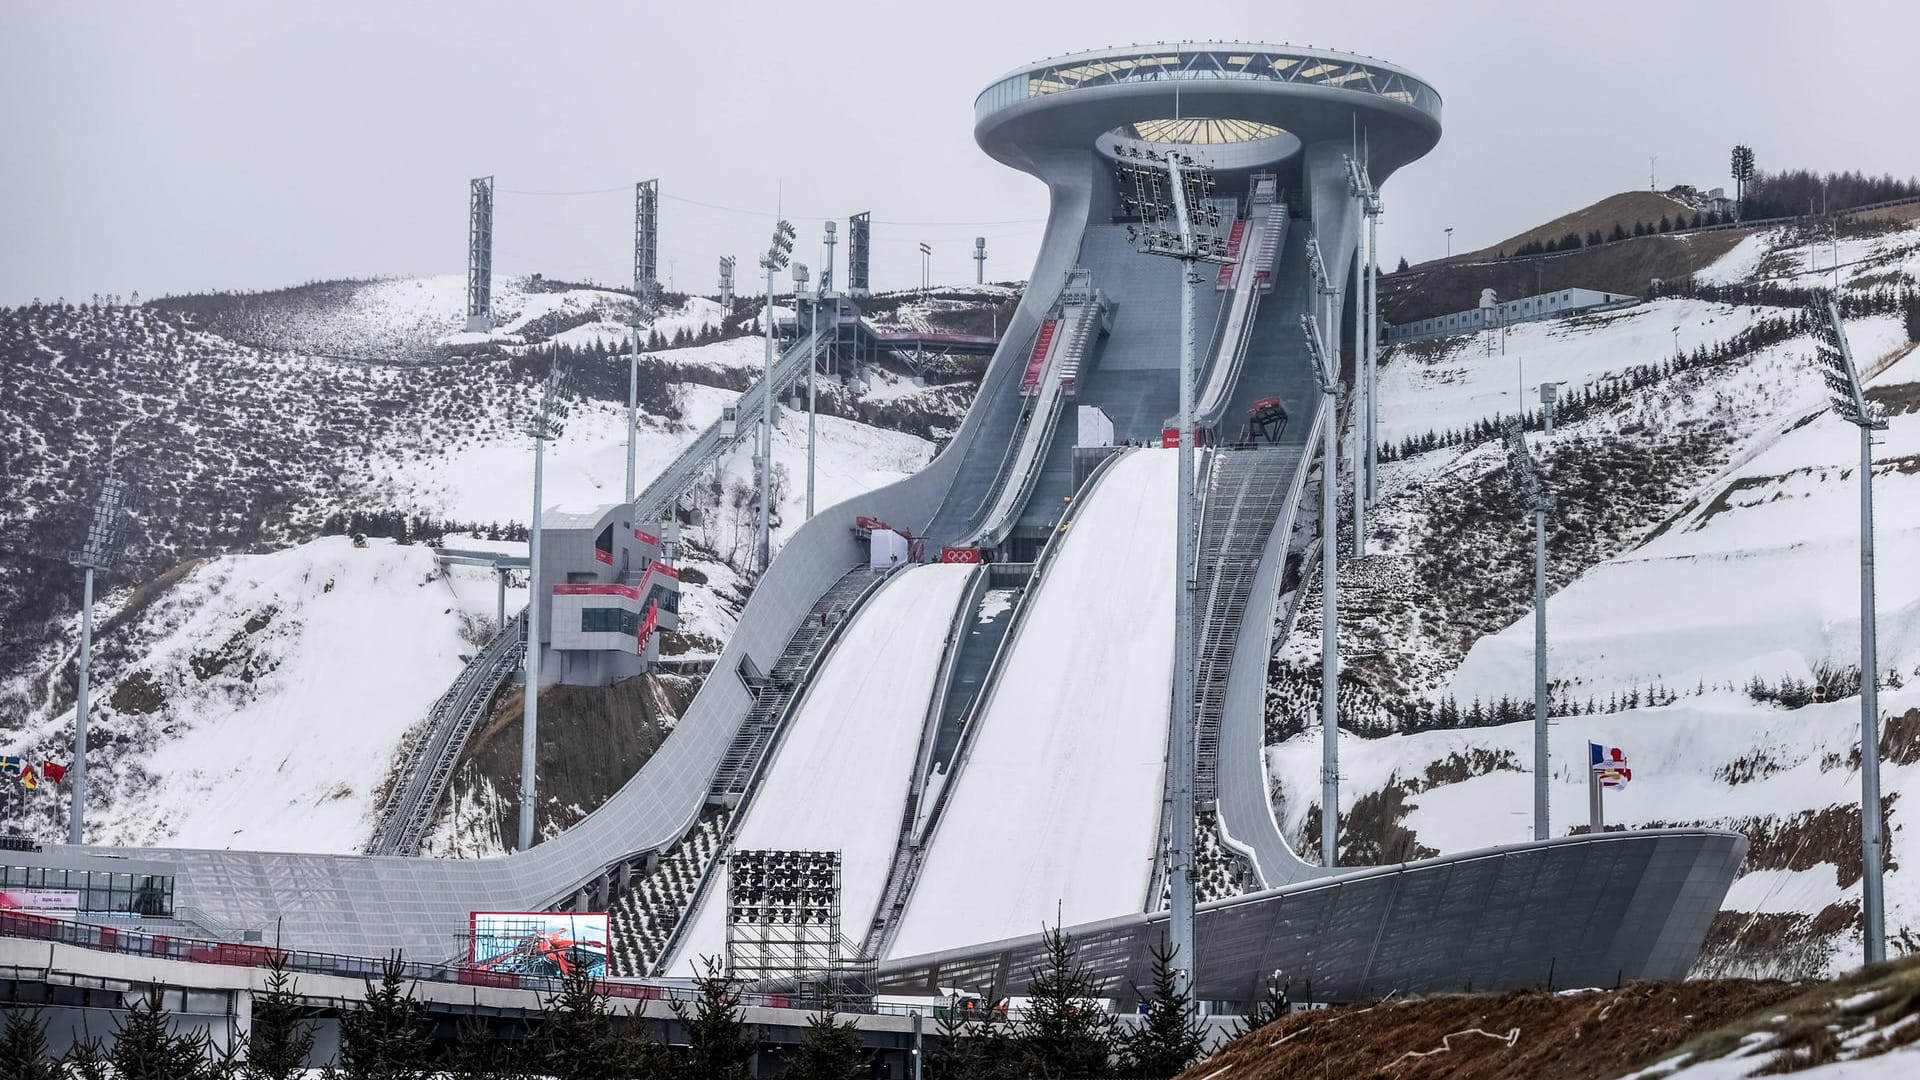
[646, 537]
[603, 556]
[1170, 438]
[959, 554]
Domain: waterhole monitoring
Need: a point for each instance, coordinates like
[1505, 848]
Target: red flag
[52, 771]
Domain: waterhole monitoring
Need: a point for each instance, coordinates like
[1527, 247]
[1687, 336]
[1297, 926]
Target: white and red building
[606, 592]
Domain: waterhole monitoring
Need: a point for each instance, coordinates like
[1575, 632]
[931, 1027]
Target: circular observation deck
[1240, 107]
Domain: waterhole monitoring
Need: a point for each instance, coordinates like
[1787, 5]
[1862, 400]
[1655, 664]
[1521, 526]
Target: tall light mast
[1163, 190]
[1328, 370]
[1539, 502]
[1850, 404]
[779, 253]
[102, 547]
[547, 421]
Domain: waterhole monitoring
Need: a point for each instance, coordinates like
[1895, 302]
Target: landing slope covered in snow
[838, 779]
[1056, 812]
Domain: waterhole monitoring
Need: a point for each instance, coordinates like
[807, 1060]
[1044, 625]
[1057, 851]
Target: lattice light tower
[1327, 368]
[1525, 476]
[646, 289]
[547, 422]
[779, 254]
[859, 240]
[105, 537]
[1850, 403]
[783, 917]
[1169, 194]
[646, 236]
[480, 256]
[726, 285]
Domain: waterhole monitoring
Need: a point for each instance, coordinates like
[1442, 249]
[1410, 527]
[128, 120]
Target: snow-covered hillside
[250, 447]
[257, 701]
[1704, 561]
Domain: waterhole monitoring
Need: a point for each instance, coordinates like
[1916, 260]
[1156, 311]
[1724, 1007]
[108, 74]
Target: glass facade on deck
[1354, 74]
[99, 890]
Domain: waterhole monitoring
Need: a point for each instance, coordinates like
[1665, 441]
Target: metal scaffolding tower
[646, 238]
[480, 256]
[859, 236]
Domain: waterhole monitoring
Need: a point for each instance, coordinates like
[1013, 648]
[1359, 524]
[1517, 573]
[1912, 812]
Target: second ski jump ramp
[839, 775]
[1056, 812]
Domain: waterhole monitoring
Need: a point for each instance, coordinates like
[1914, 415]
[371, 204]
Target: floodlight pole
[76, 818]
[633, 396]
[1872, 842]
[1526, 480]
[1328, 370]
[1541, 826]
[1850, 403]
[541, 429]
[1185, 179]
[813, 368]
[761, 544]
[101, 547]
[1180, 846]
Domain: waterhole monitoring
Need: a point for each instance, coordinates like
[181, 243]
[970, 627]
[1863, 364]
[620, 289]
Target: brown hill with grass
[1629, 266]
[1624, 210]
[1588, 1035]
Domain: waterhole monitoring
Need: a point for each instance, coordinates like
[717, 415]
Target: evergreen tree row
[410, 528]
[1574, 241]
[1064, 1031]
[1602, 394]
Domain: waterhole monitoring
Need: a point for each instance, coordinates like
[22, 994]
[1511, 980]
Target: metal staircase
[423, 780]
[775, 691]
[1247, 491]
[655, 501]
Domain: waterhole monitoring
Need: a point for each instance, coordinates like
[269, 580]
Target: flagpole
[1596, 814]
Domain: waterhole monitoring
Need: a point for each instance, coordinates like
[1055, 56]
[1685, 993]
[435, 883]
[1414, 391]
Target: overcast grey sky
[168, 147]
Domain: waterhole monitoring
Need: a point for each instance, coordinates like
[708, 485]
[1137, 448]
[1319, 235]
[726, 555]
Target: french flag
[1610, 765]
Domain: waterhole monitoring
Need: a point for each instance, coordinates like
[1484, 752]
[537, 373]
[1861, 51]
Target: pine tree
[385, 1036]
[1170, 1039]
[1065, 1031]
[974, 1043]
[23, 1047]
[280, 1042]
[85, 1060]
[581, 1043]
[830, 1050]
[475, 1053]
[719, 1043]
[1403, 265]
[145, 1047]
[1273, 1004]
